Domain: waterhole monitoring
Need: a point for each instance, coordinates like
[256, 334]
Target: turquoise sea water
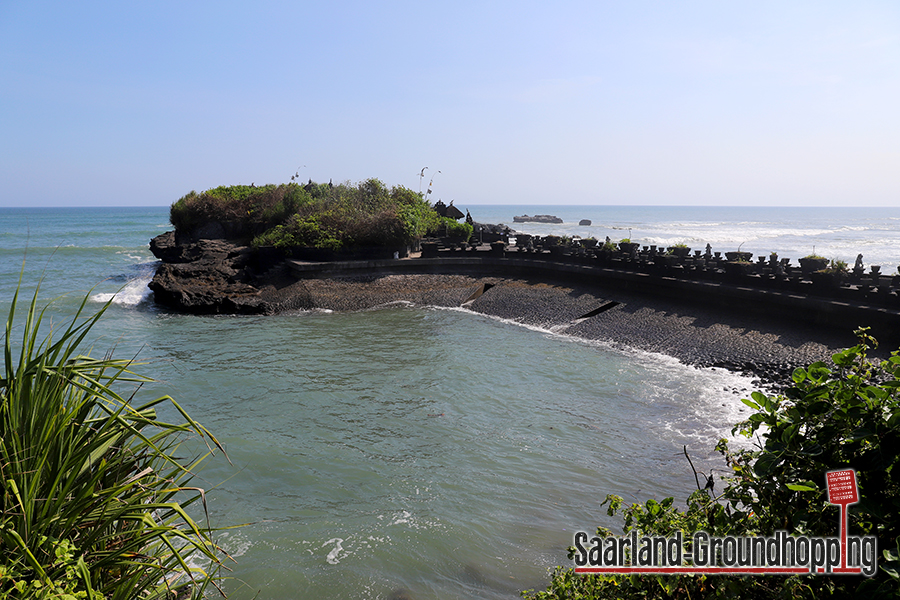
[411, 448]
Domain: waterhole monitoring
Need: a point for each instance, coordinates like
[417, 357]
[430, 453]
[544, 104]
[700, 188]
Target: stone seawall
[794, 299]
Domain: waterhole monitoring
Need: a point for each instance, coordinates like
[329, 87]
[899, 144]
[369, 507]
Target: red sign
[842, 487]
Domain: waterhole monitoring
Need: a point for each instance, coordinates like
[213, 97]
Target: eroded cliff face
[206, 276]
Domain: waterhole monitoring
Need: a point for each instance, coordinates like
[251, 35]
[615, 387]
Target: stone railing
[811, 276]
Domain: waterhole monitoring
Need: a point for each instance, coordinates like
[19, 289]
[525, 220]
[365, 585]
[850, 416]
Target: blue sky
[693, 102]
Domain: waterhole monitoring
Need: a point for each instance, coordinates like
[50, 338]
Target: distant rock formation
[537, 219]
[585, 222]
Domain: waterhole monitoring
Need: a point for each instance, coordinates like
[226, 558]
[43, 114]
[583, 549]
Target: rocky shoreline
[218, 276]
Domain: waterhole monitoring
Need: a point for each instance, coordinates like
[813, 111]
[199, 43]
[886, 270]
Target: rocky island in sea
[537, 219]
[246, 250]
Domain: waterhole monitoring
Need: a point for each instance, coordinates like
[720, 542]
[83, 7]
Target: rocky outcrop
[207, 276]
[537, 219]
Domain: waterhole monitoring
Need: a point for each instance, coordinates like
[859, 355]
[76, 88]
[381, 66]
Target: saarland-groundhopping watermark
[781, 554]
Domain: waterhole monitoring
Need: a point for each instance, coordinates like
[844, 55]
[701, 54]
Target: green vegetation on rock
[324, 216]
[842, 415]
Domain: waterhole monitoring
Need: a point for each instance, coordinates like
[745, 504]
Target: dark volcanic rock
[207, 276]
[165, 248]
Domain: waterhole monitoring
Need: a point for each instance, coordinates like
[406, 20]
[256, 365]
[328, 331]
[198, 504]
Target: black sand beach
[700, 335]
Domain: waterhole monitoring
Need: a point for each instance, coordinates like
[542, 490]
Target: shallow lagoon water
[436, 451]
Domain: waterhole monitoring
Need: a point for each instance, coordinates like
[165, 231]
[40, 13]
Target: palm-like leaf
[82, 468]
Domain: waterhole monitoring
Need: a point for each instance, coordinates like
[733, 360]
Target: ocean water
[839, 233]
[432, 451]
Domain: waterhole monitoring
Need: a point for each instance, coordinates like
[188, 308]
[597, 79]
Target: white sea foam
[130, 254]
[394, 303]
[132, 293]
[403, 517]
[332, 557]
[135, 290]
[235, 544]
[308, 311]
[709, 397]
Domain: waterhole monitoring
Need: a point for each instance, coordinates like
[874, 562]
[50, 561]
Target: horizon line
[509, 204]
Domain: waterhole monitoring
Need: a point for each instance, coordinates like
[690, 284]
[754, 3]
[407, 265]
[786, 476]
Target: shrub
[293, 200]
[455, 229]
[299, 232]
[93, 499]
[244, 209]
[838, 267]
[834, 416]
[416, 215]
[182, 214]
[314, 215]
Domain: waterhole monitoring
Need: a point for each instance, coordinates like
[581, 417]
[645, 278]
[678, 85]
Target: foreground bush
[834, 416]
[93, 499]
